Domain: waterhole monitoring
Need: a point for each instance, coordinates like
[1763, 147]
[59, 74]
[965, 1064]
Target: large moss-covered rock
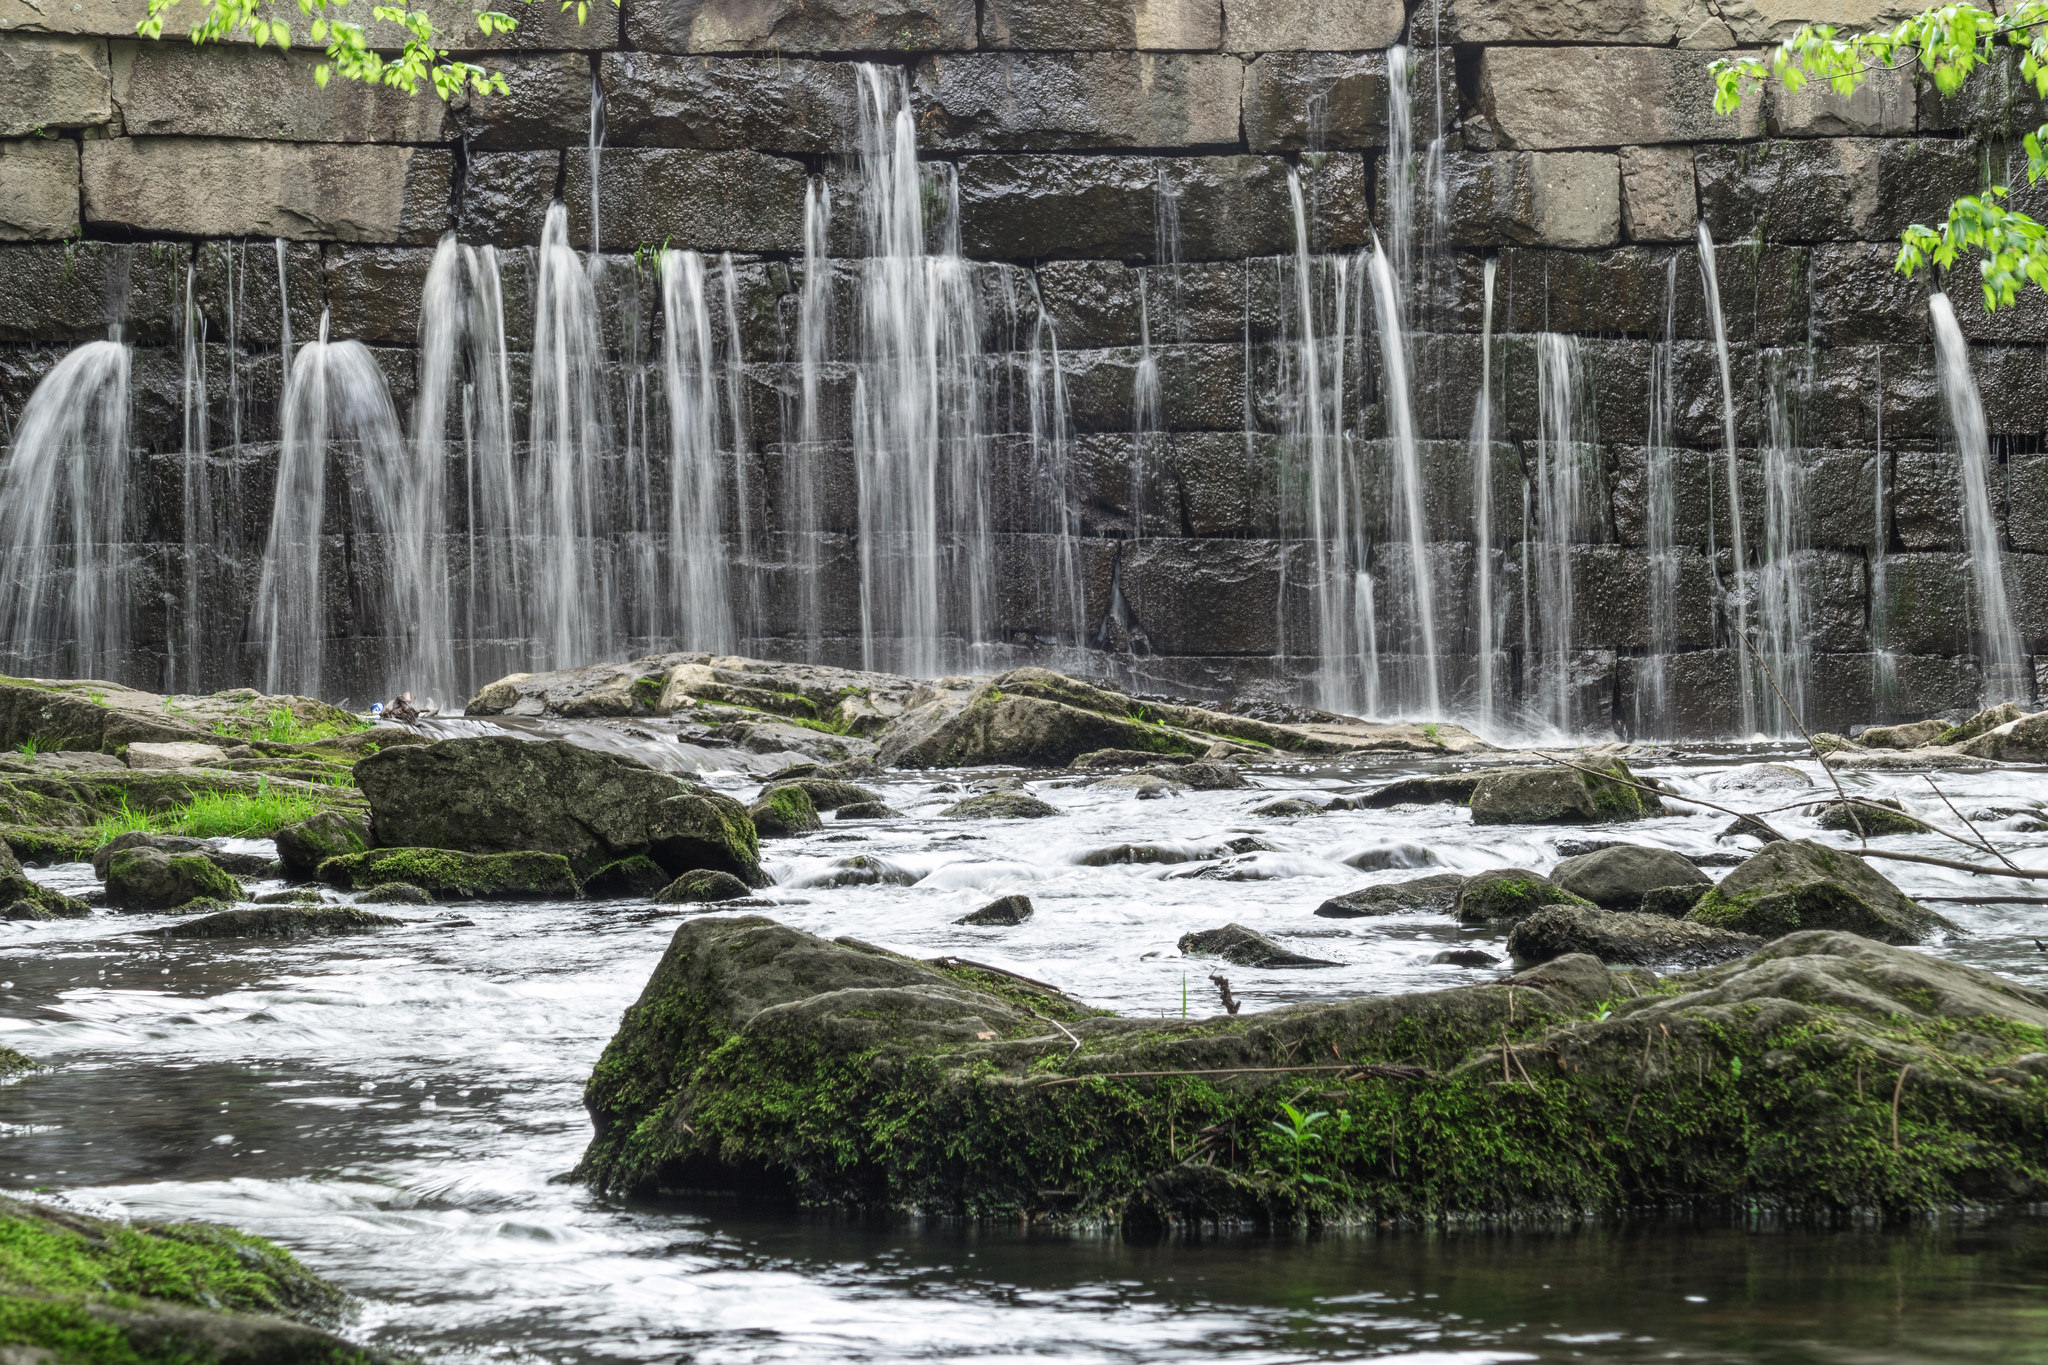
[302, 847]
[1508, 893]
[2024, 740]
[449, 874]
[148, 879]
[1001, 805]
[1797, 884]
[696, 888]
[1617, 878]
[496, 794]
[1559, 796]
[74, 1288]
[784, 810]
[760, 1058]
[1870, 818]
[1623, 936]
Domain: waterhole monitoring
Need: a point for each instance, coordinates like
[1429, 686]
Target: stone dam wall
[1122, 176]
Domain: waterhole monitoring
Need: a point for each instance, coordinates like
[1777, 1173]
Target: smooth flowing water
[1660, 503]
[396, 1107]
[1734, 592]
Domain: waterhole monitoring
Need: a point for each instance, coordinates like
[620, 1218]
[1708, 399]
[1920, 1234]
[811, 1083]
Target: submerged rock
[864, 869]
[1007, 911]
[1109, 760]
[1559, 796]
[495, 794]
[302, 847]
[448, 874]
[1449, 789]
[1145, 786]
[1861, 819]
[1797, 884]
[694, 888]
[1618, 878]
[1509, 893]
[1464, 957]
[1436, 894]
[638, 875]
[1620, 936]
[868, 810]
[783, 811]
[1247, 948]
[279, 921]
[759, 1058]
[828, 793]
[301, 895]
[396, 893]
[1391, 856]
[1001, 806]
[234, 864]
[1288, 807]
[1209, 775]
[1119, 855]
[146, 879]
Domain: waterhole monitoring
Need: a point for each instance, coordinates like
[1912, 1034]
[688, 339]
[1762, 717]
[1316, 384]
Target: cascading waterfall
[1420, 597]
[2000, 651]
[1736, 596]
[569, 438]
[1781, 580]
[1052, 438]
[65, 606]
[1884, 663]
[1485, 642]
[696, 487]
[197, 504]
[800, 464]
[1565, 475]
[1660, 506]
[917, 405]
[336, 398]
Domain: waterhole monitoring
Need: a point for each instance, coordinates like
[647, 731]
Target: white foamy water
[397, 1107]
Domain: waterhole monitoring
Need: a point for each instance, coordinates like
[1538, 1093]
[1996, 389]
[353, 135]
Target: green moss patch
[449, 875]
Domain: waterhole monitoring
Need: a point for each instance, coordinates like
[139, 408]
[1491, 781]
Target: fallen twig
[1390, 1071]
[1983, 843]
[1660, 793]
[2033, 873]
[1231, 1004]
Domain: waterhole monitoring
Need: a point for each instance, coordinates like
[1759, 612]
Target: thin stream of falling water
[196, 503]
[737, 448]
[801, 474]
[2001, 652]
[1052, 437]
[1660, 505]
[1421, 596]
[1147, 418]
[1482, 511]
[690, 381]
[1884, 662]
[1564, 450]
[1737, 594]
[1781, 581]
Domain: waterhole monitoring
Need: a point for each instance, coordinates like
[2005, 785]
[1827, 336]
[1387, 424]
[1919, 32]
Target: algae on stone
[451, 875]
[1796, 884]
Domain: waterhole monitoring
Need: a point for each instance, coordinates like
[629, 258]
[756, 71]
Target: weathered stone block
[762, 103]
[1927, 608]
[373, 292]
[1927, 500]
[2026, 594]
[1105, 25]
[1654, 23]
[1564, 199]
[1097, 303]
[1022, 207]
[1046, 102]
[1858, 296]
[1295, 101]
[710, 201]
[62, 295]
[1555, 97]
[505, 197]
[203, 187]
[549, 105]
[801, 25]
[1201, 388]
[173, 89]
[1325, 26]
[1212, 596]
[1837, 189]
[247, 294]
[48, 83]
[1883, 105]
[1659, 202]
[2028, 522]
[38, 189]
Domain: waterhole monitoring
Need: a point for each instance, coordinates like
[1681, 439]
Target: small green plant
[29, 748]
[1298, 1133]
[1603, 1011]
[1735, 1067]
[1433, 732]
[279, 725]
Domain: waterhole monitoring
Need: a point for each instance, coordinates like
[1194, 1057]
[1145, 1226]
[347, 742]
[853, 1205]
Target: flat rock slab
[1247, 948]
[1434, 894]
[278, 921]
[1623, 937]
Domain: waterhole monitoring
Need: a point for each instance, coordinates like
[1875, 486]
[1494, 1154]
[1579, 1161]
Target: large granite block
[1833, 189]
[173, 89]
[38, 189]
[205, 187]
[1323, 26]
[708, 201]
[1548, 98]
[1564, 199]
[48, 83]
[768, 104]
[1297, 101]
[801, 26]
[1048, 102]
[1102, 25]
[1654, 23]
[549, 105]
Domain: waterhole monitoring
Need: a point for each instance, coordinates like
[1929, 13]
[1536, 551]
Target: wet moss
[448, 874]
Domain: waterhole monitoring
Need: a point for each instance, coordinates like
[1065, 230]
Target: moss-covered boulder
[2023, 740]
[1796, 884]
[1560, 796]
[302, 847]
[77, 1290]
[759, 1058]
[831, 793]
[1444, 789]
[450, 875]
[868, 810]
[1870, 818]
[278, 921]
[496, 794]
[1619, 876]
[1001, 806]
[638, 875]
[1622, 936]
[1003, 912]
[1911, 735]
[395, 893]
[18, 889]
[783, 811]
[148, 879]
[1434, 894]
[1501, 894]
[697, 888]
[12, 1063]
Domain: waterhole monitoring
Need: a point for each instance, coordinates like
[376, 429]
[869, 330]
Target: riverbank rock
[234, 864]
[1909, 736]
[704, 687]
[763, 1059]
[302, 847]
[693, 888]
[145, 879]
[1000, 913]
[25, 898]
[1797, 884]
[1861, 819]
[1624, 937]
[496, 794]
[1449, 789]
[1508, 893]
[638, 875]
[1618, 878]
[783, 811]
[396, 893]
[278, 921]
[448, 874]
[90, 1289]
[1559, 796]
[827, 793]
[2022, 740]
[1437, 893]
[1001, 806]
[1247, 948]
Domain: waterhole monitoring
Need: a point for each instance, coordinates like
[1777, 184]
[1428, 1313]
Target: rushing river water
[398, 1107]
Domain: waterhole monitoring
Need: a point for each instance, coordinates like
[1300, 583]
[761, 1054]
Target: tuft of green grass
[218, 815]
[29, 748]
[279, 725]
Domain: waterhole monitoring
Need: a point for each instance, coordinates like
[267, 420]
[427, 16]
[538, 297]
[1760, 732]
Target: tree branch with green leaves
[1949, 44]
[349, 52]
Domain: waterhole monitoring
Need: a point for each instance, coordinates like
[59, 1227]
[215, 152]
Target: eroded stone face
[1561, 97]
[1063, 25]
[216, 188]
[47, 83]
[38, 189]
[802, 25]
